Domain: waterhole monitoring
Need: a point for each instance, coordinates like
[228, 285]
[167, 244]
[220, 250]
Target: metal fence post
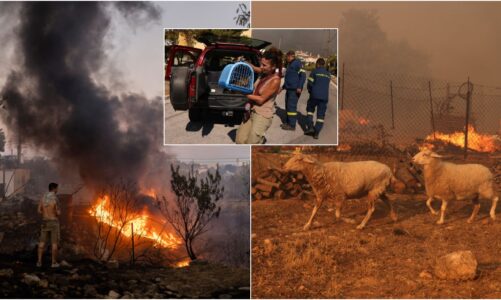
[431, 111]
[392, 111]
[467, 118]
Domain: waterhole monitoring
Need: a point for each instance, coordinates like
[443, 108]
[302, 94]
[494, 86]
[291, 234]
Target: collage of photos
[250, 150]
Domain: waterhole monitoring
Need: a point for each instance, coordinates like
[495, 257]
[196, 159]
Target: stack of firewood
[273, 183]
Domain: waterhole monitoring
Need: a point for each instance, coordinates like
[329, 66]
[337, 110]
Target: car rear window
[184, 58]
[217, 59]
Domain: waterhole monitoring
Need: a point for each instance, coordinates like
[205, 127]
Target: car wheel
[179, 88]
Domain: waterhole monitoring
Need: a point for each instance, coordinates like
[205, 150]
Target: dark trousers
[291, 99]
[321, 107]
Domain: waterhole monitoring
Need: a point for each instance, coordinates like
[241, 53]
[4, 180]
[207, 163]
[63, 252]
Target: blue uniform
[295, 76]
[318, 87]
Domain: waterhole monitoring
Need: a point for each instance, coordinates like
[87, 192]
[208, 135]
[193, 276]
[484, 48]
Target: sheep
[448, 181]
[344, 180]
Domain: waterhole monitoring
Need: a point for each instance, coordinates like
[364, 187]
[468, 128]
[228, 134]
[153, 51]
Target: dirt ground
[384, 260]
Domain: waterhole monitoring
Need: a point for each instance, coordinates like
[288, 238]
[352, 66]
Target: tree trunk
[189, 250]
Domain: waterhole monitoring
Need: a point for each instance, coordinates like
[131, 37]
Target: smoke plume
[54, 102]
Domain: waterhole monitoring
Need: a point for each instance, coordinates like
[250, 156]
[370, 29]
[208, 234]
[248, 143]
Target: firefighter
[318, 87]
[295, 76]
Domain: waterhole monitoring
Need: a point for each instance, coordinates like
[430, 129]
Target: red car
[194, 74]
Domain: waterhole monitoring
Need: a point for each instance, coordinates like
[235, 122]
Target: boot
[309, 130]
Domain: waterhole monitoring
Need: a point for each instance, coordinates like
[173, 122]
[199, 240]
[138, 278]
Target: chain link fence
[399, 110]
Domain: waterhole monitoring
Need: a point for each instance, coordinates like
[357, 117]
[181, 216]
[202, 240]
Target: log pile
[273, 183]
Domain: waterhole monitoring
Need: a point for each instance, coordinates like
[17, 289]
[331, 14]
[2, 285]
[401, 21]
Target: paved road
[179, 130]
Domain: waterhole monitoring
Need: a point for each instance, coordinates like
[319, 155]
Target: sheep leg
[476, 208]
[493, 207]
[393, 214]
[318, 203]
[370, 210]
[339, 205]
[442, 212]
[428, 203]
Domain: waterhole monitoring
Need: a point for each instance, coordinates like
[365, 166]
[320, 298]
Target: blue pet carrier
[237, 77]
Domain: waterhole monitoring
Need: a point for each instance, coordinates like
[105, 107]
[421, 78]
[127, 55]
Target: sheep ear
[433, 154]
[308, 160]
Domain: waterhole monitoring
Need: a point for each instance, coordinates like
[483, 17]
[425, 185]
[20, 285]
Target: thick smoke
[54, 102]
[365, 45]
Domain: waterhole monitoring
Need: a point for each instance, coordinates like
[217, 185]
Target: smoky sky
[54, 102]
[454, 39]
[317, 41]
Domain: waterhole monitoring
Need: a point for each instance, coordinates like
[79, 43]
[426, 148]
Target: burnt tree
[194, 205]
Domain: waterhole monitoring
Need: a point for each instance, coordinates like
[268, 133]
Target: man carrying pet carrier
[295, 76]
[318, 87]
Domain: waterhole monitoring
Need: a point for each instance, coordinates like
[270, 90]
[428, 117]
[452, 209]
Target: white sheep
[448, 181]
[344, 180]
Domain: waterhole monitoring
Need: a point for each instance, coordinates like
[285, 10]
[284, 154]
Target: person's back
[49, 210]
[318, 86]
[49, 206]
[319, 83]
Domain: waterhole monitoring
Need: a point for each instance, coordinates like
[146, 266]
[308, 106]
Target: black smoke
[55, 103]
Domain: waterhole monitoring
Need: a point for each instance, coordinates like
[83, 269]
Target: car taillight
[192, 87]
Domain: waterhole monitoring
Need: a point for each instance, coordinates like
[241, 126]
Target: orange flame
[363, 121]
[183, 263]
[141, 223]
[476, 141]
[343, 148]
[150, 192]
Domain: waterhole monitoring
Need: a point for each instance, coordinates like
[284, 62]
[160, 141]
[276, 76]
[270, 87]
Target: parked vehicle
[194, 84]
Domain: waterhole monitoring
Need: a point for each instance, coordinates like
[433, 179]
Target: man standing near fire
[49, 210]
[295, 76]
[318, 87]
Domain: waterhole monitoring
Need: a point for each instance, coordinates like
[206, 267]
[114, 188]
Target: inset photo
[251, 86]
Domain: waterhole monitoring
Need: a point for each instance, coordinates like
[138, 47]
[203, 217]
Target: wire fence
[402, 110]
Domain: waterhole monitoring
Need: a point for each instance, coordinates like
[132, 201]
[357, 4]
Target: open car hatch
[210, 39]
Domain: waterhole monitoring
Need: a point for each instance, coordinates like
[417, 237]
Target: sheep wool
[448, 181]
[344, 180]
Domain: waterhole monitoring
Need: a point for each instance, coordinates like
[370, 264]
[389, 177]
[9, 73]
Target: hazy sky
[317, 41]
[139, 53]
[461, 37]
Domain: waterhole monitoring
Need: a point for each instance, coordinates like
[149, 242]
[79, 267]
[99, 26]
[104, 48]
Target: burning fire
[140, 223]
[476, 141]
[183, 263]
[150, 192]
[349, 117]
[363, 121]
[343, 148]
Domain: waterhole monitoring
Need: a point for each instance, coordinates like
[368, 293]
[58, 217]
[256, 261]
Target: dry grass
[334, 260]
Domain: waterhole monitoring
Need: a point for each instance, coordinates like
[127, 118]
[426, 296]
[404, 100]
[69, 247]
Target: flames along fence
[383, 109]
